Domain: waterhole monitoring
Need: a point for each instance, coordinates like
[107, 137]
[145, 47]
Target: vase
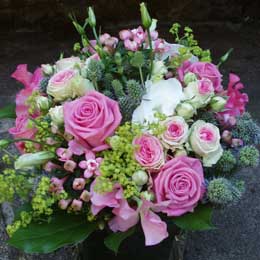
[133, 247]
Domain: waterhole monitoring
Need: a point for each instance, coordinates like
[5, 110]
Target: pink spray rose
[202, 70]
[236, 102]
[149, 152]
[21, 130]
[179, 185]
[31, 82]
[91, 119]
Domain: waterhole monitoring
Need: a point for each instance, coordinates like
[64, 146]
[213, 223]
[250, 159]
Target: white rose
[68, 63]
[56, 114]
[205, 141]
[199, 93]
[42, 103]
[81, 86]
[159, 70]
[176, 132]
[162, 96]
[185, 110]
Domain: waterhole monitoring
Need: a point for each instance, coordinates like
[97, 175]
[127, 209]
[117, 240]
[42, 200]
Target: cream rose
[67, 63]
[57, 116]
[176, 133]
[205, 141]
[199, 93]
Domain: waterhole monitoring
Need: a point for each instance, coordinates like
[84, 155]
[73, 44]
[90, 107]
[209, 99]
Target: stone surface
[238, 233]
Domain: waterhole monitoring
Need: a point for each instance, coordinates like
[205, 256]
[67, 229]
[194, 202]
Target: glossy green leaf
[200, 219]
[8, 111]
[114, 240]
[63, 229]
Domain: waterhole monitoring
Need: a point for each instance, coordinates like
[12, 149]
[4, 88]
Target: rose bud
[217, 103]
[185, 110]
[140, 177]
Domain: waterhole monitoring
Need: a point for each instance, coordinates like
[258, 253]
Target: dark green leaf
[137, 60]
[200, 219]
[114, 240]
[8, 112]
[63, 229]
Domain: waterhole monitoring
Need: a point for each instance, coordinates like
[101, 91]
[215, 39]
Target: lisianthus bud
[140, 177]
[47, 69]
[146, 19]
[56, 114]
[185, 110]
[4, 143]
[42, 103]
[189, 77]
[28, 160]
[217, 103]
[91, 17]
[148, 195]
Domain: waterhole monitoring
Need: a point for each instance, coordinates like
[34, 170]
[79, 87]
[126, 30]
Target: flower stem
[96, 36]
[141, 76]
[151, 51]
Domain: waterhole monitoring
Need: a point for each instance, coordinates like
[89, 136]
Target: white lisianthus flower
[68, 63]
[56, 114]
[199, 93]
[159, 70]
[176, 132]
[205, 141]
[162, 96]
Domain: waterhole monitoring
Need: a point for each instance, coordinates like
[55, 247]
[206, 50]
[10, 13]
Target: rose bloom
[149, 152]
[205, 141]
[21, 130]
[67, 63]
[91, 119]
[199, 93]
[202, 70]
[179, 185]
[176, 132]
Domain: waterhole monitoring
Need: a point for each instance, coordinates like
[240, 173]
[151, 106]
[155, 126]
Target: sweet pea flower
[90, 165]
[155, 230]
[138, 35]
[160, 46]
[104, 37]
[235, 105]
[131, 45]
[125, 35]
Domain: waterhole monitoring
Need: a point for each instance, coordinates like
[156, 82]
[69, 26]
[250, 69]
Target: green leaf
[200, 219]
[63, 229]
[114, 240]
[8, 112]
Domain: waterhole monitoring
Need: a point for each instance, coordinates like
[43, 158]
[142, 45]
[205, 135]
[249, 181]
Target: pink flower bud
[85, 196]
[64, 154]
[63, 204]
[236, 142]
[76, 205]
[125, 35]
[57, 184]
[70, 166]
[227, 136]
[49, 166]
[78, 184]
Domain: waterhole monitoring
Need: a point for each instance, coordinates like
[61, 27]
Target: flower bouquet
[130, 132]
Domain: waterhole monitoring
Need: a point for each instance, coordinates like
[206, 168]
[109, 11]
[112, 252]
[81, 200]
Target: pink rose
[179, 185]
[149, 152]
[91, 119]
[202, 70]
[21, 130]
[236, 102]
[31, 82]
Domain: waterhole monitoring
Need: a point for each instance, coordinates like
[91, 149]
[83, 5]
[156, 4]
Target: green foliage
[207, 116]
[138, 59]
[8, 112]
[200, 219]
[134, 90]
[114, 240]
[118, 88]
[247, 130]
[94, 70]
[249, 156]
[226, 163]
[62, 229]
[44, 84]
[222, 192]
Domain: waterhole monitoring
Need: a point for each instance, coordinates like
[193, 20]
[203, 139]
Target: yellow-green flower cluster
[43, 200]
[119, 164]
[31, 102]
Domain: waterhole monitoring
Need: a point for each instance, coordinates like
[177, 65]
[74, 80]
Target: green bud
[146, 19]
[118, 58]
[217, 103]
[77, 47]
[42, 103]
[4, 143]
[91, 17]
[140, 177]
[28, 160]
